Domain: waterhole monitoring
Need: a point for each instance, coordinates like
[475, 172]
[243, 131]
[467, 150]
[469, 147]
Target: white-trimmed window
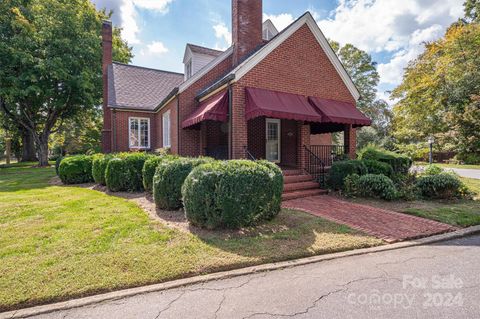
[166, 129]
[139, 132]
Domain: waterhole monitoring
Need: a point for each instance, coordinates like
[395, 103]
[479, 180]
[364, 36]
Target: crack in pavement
[170, 304]
[404, 261]
[220, 305]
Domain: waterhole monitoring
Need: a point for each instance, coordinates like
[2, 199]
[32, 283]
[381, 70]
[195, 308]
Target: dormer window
[188, 69]
[268, 30]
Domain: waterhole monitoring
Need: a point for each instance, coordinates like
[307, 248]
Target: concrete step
[291, 172]
[292, 187]
[297, 179]
[303, 193]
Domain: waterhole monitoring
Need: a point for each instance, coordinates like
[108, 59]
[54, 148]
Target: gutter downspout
[178, 124]
[114, 130]
[230, 122]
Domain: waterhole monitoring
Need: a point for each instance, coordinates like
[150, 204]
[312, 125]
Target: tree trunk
[42, 151]
[28, 147]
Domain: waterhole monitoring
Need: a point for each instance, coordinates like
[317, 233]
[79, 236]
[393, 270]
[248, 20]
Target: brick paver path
[387, 225]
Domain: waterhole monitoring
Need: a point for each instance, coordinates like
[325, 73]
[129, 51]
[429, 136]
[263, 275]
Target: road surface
[441, 280]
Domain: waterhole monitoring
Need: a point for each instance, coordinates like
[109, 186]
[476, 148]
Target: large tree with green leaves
[50, 63]
[439, 94]
[362, 69]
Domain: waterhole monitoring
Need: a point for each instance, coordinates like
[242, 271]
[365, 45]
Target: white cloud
[126, 15]
[280, 21]
[223, 36]
[385, 26]
[157, 47]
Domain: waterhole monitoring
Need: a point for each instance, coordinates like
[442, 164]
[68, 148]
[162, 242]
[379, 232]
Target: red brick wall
[321, 139]
[172, 107]
[189, 139]
[246, 27]
[289, 136]
[120, 119]
[297, 66]
[256, 132]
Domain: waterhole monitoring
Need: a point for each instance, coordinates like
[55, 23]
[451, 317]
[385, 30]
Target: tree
[50, 58]
[439, 93]
[363, 72]
[472, 10]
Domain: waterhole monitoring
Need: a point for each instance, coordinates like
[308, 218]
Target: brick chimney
[106, 61]
[246, 28]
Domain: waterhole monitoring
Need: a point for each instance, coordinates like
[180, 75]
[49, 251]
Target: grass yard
[450, 165]
[461, 213]
[60, 242]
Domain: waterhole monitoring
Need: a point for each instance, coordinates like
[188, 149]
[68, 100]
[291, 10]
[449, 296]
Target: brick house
[271, 95]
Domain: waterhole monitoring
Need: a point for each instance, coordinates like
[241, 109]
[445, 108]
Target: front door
[273, 140]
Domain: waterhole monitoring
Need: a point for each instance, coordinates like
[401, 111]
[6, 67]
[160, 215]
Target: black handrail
[329, 153]
[248, 154]
[315, 167]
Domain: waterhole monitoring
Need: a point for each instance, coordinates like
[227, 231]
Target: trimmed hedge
[149, 169]
[377, 167]
[168, 180]
[232, 194]
[99, 166]
[400, 163]
[376, 186]
[76, 169]
[442, 186]
[342, 169]
[124, 172]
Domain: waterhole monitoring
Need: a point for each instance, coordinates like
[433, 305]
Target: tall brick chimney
[106, 61]
[246, 27]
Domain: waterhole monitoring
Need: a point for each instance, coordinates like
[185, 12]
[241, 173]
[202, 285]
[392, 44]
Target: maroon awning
[334, 111]
[260, 102]
[215, 108]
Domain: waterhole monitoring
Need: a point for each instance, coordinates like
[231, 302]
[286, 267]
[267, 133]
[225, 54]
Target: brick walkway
[387, 225]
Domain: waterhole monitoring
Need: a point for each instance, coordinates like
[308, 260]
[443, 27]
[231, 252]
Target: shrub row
[168, 180]
[124, 172]
[399, 163]
[232, 194]
[76, 169]
[149, 169]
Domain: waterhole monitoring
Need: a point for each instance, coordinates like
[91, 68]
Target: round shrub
[99, 166]
[277, 187]
[232, 194]
[400, 163]
[342, 169]
[432, 170]
[149, 169]
[378, 168]
[124, 172]
[442, 186]
[168, 180]
[376, 186]
[76, 169]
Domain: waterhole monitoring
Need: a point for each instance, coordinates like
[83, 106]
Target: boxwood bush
[232, 194]
[432, 169]
[441, 186]
[377, 167]
[99, 166]
[376, 186]
[342, 169]
[149, 169]
[168, 180]
[124, 172]
[400, 163]
[76, 169]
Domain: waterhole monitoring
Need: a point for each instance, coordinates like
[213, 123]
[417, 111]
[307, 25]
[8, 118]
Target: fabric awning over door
[215, 108]
[260, 102]
[334, 111]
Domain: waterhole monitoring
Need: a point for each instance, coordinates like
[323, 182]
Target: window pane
[166, 129]
[134, 133]
[144, 133]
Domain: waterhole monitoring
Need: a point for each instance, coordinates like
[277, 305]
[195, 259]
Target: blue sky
[392, 31]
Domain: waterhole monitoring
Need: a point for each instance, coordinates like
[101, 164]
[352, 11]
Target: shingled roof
[203, 50]
[133, 87]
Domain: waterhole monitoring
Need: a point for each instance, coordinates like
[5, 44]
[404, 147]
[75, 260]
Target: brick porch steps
[298, 184]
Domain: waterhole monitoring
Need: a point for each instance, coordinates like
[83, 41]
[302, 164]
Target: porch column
[203, 138]
[350, 141]
[239, 135]
[303, 140]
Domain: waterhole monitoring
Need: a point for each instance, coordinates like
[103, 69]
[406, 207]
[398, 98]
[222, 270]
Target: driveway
[434, 281]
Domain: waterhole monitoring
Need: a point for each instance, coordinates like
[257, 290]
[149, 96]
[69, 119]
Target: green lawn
[461, 213]
[60, 242]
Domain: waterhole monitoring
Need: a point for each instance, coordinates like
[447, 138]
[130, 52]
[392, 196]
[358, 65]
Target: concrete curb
[115, 295]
